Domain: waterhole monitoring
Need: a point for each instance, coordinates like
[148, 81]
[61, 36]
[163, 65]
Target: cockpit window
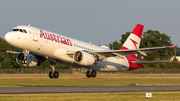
[15, 29]
[20, 30]
[24, 31]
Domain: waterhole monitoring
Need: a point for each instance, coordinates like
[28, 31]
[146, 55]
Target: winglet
[175, 47]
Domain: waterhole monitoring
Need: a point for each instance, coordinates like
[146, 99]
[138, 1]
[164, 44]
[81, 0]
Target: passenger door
[35, 35]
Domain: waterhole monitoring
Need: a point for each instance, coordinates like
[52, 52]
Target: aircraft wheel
[56, 74]
[51, 74]
[93, 74]
[88, 74]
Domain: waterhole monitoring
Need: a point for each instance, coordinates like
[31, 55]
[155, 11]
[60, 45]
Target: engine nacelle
[84, 58]
[31, 61]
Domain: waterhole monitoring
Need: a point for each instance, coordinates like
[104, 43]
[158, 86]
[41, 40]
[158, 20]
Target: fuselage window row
[83, 47]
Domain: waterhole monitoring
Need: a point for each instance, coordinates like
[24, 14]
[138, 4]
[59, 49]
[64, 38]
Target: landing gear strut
[24, 60]
[25, 52]
[91, 74]
[53, 74]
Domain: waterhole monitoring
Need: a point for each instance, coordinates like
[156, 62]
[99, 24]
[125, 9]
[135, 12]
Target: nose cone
[9, 37]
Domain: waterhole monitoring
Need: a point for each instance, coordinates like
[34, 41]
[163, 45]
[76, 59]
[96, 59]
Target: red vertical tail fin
[134, 39]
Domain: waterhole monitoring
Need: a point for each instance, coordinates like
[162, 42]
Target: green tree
[117, 45]
[62, 66]
[124, 37]
[45, 64]
[1, 57]
[7, 63]
[156, 39]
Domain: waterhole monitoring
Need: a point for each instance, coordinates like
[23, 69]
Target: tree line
[150, 38]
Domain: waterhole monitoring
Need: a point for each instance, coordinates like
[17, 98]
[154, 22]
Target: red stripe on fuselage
[133, 66]
[133, 55]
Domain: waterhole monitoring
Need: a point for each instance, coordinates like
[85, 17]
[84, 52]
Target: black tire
[93, 74]
[88, 74]
[56, 74]
[51, 74]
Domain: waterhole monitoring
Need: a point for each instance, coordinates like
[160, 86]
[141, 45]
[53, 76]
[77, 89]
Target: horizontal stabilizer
[149, 62]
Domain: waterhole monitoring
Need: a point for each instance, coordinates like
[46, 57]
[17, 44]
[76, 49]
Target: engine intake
[31, 60]
[84, 58]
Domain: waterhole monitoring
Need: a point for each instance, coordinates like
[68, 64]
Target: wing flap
[149, 62]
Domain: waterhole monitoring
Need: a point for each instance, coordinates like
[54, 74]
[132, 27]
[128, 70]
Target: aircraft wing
[13, 52]
[108, 53]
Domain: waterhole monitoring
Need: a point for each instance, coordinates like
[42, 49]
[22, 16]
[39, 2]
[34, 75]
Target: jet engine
[84, 58]
[30, 61]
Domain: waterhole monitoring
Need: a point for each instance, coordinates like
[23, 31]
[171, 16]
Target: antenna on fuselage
[29, 25]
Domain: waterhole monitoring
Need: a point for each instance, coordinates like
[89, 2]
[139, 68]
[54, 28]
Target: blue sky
[98, 21]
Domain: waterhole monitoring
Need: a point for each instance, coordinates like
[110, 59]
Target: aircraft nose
[8, 37]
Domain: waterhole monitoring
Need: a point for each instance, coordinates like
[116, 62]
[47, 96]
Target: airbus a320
[38, 45]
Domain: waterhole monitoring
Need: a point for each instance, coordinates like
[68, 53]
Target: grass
[89, 82]
[81, 80]
[78, 79]
[140, 96]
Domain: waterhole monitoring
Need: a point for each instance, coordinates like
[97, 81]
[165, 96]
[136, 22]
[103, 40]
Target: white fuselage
[54, 47]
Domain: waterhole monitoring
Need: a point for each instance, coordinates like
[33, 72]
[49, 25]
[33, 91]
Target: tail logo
[134, 42]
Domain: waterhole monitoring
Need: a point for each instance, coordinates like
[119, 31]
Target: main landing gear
[53, 74]
[91, 74]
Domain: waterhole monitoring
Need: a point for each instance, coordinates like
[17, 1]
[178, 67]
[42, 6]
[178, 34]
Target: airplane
[38, 45]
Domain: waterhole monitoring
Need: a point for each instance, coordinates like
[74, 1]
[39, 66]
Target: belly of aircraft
[112, 64]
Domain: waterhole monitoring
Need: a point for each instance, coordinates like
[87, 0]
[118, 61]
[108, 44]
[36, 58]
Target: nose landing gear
[91, 74]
